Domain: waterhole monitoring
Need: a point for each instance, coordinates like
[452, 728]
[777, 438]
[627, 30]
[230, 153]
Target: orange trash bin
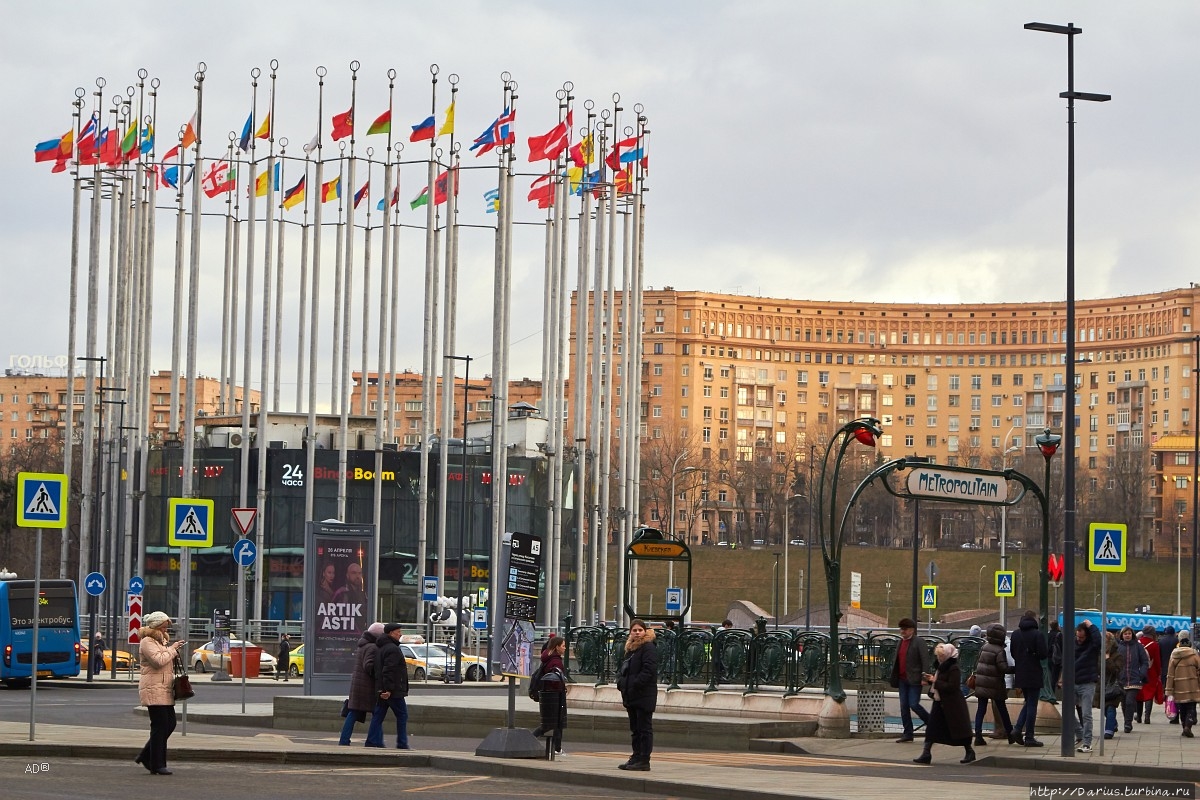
[253, 661]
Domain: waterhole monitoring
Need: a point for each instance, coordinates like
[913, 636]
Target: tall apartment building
[959, 383]
[32, 406]
[410, 406]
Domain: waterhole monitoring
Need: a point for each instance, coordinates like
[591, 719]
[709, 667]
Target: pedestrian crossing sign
[41, 500]
[1107, 544]
[928, 597]
[189, 522]
[1006, 583]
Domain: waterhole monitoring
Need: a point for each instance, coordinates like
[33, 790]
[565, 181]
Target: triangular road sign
[243, 519]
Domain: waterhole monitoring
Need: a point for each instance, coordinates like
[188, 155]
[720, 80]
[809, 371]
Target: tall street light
[1004, 535]
[812, 455]
[1178, 563]
[786, 536]
[979, 587]
[1070, 95]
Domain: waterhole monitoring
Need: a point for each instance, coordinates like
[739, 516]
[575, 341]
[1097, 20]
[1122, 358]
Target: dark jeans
[641, 729]
[1129, 704]
[910, 701]
[1187, 714]
[1028, 716]
[375, 730]
[162, 723]
[1000, 710]
[348, 726]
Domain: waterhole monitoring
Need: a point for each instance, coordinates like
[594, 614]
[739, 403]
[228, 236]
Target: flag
[395, 199]
[382, 124]
[448, 125]
[129, 144]
[220, 178]
[552, 144]
[264, 130]
[331, 190]
[343, 125]
[420, 200]
[169, 176]
[147, 139]
[441, 192]
[48, 150]
[189, 133]
[542, 190]
[423, 131]
[581, 153]
[295, 195]
[499, 133]
[244, 139]
[624, 152]
[311, 146]
[261, 186]
[491, 200]
[361, 193]
[108, 152]
[623, 180]
[87, 141]
[172, 153]
[583, 181]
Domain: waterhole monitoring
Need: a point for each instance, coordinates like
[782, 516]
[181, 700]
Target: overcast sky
[908, 151]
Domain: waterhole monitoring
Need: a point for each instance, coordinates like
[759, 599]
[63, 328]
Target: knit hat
[391, 626]
[375, 629]
[155, 619]
[1183, 635]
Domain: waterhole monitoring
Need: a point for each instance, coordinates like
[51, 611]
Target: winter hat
[376, 629]
[156, 619]
[391, 626]
[1183, 635]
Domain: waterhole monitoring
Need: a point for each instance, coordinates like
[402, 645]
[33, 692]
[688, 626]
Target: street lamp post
[462, 529]
[812, 455]
[1068, 675]
[1004, 536]
[786, 536]
[979, 588]
[1178, 563]
[775, 592]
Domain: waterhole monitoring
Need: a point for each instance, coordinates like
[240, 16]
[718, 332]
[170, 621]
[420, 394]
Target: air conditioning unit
[235, 438]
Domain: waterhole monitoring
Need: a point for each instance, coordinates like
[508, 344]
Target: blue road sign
[189, 522]
[94, 583]
[429, 586]
[479, 620]
[136, 584]
[244, 553]
[1006, 583]
[1107, 543]
[674, 598]
[928, 597]
[41, 500]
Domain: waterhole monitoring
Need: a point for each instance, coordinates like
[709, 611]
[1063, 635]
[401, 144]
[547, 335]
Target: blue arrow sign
[94, 583]
[244, 553]
[136, 584]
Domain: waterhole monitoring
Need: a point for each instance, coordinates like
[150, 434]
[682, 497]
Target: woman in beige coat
[1183, 681]
[156, 690]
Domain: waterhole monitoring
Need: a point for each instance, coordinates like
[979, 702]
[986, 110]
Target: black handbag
[182, 685]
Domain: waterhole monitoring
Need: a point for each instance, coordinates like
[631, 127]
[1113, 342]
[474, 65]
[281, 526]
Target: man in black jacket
[391, 687]
[1087, 675]
[1028, 646]
[909, 669]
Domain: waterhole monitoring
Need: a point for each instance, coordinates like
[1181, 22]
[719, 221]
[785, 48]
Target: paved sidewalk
[863, 768]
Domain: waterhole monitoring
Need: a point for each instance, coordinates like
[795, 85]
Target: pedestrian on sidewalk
[96, 655]
[911, 664]
[1183, 681]
[552, 693]
[1133, 673]
[1166, 643]
[156, 689]
[1087, 675]
[391, 687]
[1029, 650]
[989, 684]
[1054, 642]
[283, 657]
[1152, 689]
[362, 681]
[1114, 663]
[949, 721]
[637, 680]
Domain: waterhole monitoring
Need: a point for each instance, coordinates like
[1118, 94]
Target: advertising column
[338, 604]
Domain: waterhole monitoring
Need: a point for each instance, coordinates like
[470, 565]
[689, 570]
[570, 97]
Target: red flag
[542, 190]
[624, 181]
[343, 125]
[551, 145]
[219, 179]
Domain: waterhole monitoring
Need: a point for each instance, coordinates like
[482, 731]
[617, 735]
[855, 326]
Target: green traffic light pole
[864, 430]
[1048, 443]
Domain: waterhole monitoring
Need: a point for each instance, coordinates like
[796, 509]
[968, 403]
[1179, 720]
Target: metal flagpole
[598, 530]
[395, 151]
[344, 294]
[280, 248]
[252, 190]
[72, 315]
[233, 211]
[146, 349]
[580, 394]
[364, 325]
[449, 331]
[428, 356]
[310, 443]
[610, 382]
[302, 310]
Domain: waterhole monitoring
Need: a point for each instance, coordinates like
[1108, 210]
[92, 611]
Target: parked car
[796, 543]
[207, 658]
[474, 667]
[296, 662]
[722, 544]
[427, 660]
[759, 542]
[125, 660]
[970, 546]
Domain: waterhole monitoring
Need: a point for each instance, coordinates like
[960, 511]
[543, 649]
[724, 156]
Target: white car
[427, 660]
[206, 658]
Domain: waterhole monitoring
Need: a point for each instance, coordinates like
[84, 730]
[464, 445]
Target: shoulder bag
[182, 685]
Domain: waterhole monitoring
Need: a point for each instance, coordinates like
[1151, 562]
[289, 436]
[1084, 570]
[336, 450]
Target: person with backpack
[551, 689]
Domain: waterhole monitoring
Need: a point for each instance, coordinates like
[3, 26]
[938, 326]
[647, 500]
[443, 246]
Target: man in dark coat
[1087, 676]
[362, 681]
[1029, 650]
[391, 687]
[912, 662]
[283, 656]
[638, 683]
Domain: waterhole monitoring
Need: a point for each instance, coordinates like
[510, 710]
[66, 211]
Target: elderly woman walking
[156, 690]
[949, 721]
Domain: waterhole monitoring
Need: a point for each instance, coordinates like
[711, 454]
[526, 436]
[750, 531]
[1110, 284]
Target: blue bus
[58, 631]
[1136, 620]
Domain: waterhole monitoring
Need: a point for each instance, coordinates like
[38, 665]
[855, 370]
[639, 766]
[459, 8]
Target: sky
[869, 151]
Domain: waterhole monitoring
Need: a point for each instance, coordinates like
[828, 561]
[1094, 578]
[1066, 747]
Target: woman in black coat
[989, 684]
[949, 721]
[638, 681]
[552, 693]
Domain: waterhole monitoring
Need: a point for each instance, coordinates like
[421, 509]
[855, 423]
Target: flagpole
[389, 193]
[248, 318]
[302, 310]
[637, 269]
[233, 209]
[339, 250]
[622, 439]
[280, 248]
[428, 363]
[600, 404]
[580, 402]
[345, 294]
[310, 455]
[68, 442]
[365, 320]
[226, 295]
[449, 346]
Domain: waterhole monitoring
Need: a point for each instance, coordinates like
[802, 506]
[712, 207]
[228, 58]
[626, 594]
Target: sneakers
[1083, 748]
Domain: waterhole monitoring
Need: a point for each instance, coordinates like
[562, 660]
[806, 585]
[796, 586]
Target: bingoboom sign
[949, 485]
